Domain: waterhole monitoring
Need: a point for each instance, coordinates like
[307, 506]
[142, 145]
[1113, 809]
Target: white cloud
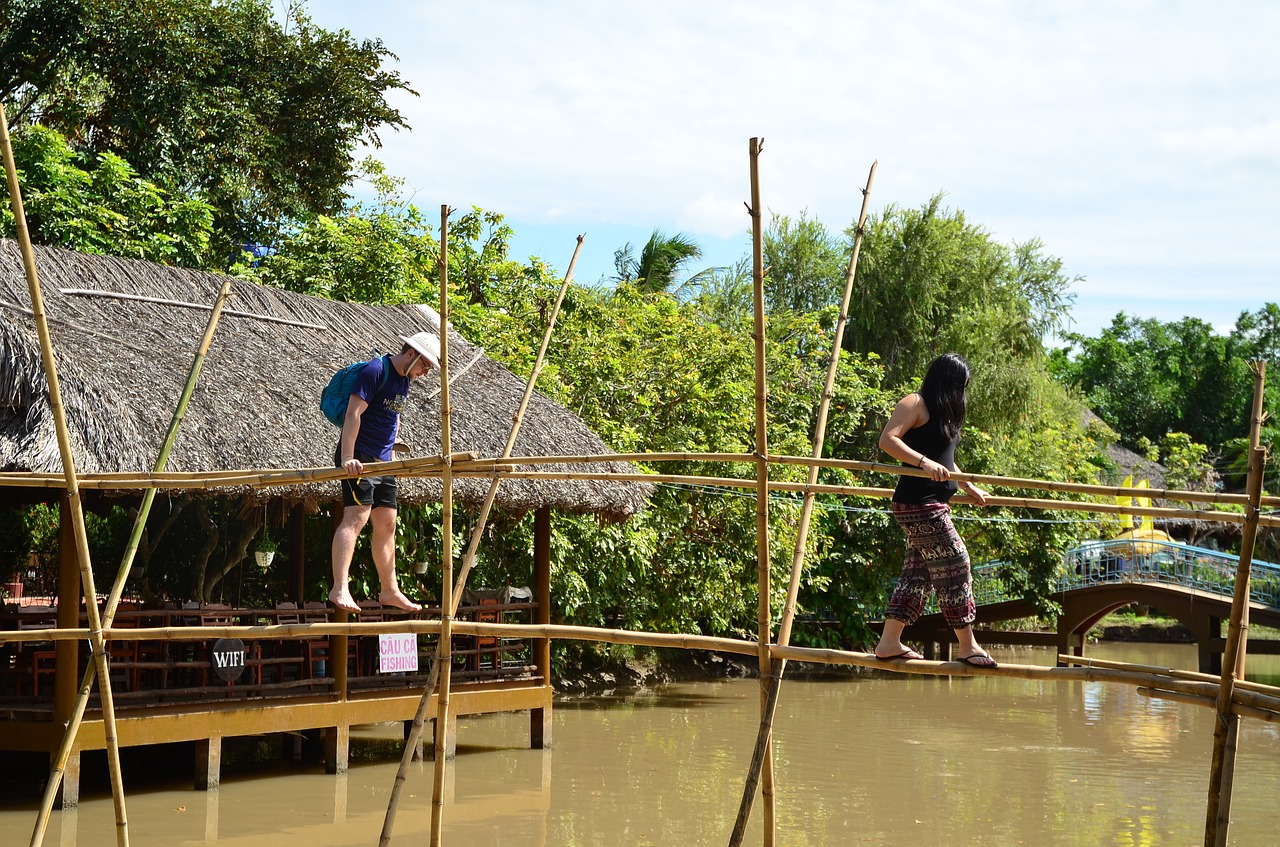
[1131, 137]
[1227, 143]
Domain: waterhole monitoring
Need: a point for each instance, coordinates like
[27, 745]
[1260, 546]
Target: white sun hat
[426, 343]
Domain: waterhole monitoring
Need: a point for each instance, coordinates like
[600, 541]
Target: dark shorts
[376, 491]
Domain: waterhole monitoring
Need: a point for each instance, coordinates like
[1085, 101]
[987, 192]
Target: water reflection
[883, 758]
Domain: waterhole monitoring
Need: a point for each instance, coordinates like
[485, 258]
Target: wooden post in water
[96, 640]
[468, 559]
[1226, 731]
[445, 656]
[806, 512]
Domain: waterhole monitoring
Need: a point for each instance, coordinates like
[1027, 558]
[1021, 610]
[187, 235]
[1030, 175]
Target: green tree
[99, 204]
[1147, 378]
[659, 266]
[940, 277]
[726, 297]
[930, 282]
[259, 116]
[806, 265]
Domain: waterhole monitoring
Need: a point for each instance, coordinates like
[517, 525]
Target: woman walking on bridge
[923, 432]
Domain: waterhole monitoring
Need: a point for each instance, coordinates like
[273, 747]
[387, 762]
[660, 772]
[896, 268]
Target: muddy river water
[881, 759]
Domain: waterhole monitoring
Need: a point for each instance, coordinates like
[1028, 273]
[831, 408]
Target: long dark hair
[944, 393]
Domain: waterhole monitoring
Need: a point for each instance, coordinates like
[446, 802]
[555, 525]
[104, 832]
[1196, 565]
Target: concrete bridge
[1191, 584]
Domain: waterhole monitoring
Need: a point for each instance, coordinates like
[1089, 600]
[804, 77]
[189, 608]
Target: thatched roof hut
[123, 361]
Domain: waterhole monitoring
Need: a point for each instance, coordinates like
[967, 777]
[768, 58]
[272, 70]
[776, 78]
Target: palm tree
[656, 269]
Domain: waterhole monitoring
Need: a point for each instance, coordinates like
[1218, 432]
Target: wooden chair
[154, 657]
[487, 645]
[366, 646]
[284, 654]
[35, 659]
[316, 648]
[124, 654]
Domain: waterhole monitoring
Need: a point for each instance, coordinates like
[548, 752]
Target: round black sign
[227, 658]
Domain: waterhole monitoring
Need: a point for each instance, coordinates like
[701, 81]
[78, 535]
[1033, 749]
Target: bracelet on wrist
[921, 462]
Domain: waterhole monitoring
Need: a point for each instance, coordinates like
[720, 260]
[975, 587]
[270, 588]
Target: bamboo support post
[1227, 728]
[764, 615]
[444, 654]
[122, 575]
[802, 531]
[75, 506]
[469, 557]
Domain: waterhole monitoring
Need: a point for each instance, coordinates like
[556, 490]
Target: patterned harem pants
[936, 558]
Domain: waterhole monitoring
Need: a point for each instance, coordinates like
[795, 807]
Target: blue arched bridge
[1191, 584]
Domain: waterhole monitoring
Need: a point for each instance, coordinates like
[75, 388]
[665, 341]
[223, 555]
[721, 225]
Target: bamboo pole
[444, 654]
[264, 477]
[764, 615]
[1210, 702]
[491, 467]
[1088, 670]
[73, 492]
[802, 532]
[856, 491]
[1254, 696]
[468, 559]
[116, 295]
[1110, 491]
[126, 563]
[471, 462]
[1176, 673]
[1227, 728]
[1019, 482]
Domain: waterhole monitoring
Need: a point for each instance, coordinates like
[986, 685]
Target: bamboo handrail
[881, 467]
[469, 463]
[857, 491]
[262, 477]
[1022, 482]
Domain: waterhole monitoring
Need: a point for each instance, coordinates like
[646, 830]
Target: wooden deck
[170, 691]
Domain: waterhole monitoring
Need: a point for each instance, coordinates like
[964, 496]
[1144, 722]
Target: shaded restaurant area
[202, 562]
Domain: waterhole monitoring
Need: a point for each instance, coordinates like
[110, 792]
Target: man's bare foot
[341, 599]
[398, 600]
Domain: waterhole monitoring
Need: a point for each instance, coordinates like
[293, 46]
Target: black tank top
[929, 440]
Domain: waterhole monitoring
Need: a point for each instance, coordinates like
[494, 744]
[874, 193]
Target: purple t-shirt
[380, 421]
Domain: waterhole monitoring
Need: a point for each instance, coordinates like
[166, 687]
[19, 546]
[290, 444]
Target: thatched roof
[122, 365]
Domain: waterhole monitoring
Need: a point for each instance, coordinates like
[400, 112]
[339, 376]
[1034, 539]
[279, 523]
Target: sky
[1139, 141]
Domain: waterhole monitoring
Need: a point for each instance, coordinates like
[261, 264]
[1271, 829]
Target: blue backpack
[333, 400]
